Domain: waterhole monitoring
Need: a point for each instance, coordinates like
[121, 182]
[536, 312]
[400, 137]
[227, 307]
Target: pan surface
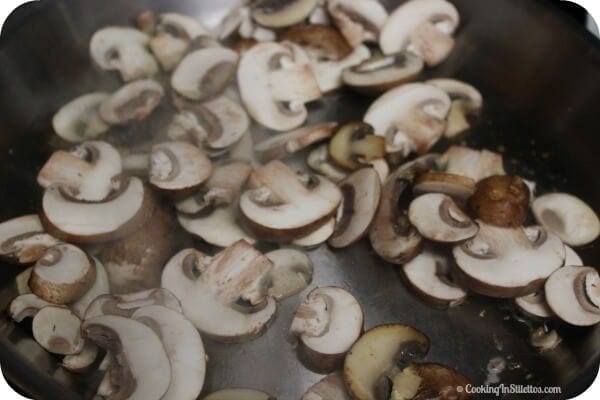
[540, 77]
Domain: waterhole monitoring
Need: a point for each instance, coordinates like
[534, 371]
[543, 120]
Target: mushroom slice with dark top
[124, 50]
[316, 237]
[362, 195]
[238, 394]
[466, 100]
[283, 145]
[82, 361]
[508, 262]
[378, 355]
[358, 20]
[501, 200]
[332, 387]
[320, 161]
[25, 306]
[473, 164]
[292, 272]
[381, 73]
[459, 187]
[184, 349]
[204, 73]
[63, 274]
[100, 287]
[226, 296]
[355, 144]
[57, 329]
[23, 240]
[79, 120]
[535, 305]
[429, 381]
[428, 275]
[327, 324]
[573, 294]
[126, 305]
[281, 13]
[141, 368]
[437, 217]
[575, 222]
[133, 102]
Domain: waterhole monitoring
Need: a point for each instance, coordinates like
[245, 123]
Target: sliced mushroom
[332, 387]
[501, 200]
[466, 100]
[355, 145]
[124, 50]
[459, 187]
[220, 227]
[535, 305]
[392, 236]
[420, 381]
[204, 73]
[327, 324]
[133, 102]
[276, 80]
[378, 355]
[184, 349]
[572, 258]
[381, 73]
[428, 275]
[362, 194]
[25, 306]
[329, 74]
[321, 43]
[545, 340]
[23, 241]
[292, 272]
[316, 237]
[100, 287]
[126, 305]
[508, 262]
[239, 394]
[79, 120]
[239, 21]
[286, 144]
[230, 287]
[359, 21]
[89, 172]
[141, 368]
[381, 166]
[81, 362]
[57, 330]
[116, 217]
[319, 15]
[283, 205]
[320, 161]
[572, 293]
[422, 26]
[281, 13]
[411, 117]
[575, 222]
[22, 281]
[473, 164]
[63, 274]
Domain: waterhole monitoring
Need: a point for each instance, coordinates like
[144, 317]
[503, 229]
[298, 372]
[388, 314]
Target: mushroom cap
[238, 394]
[57, 329]
[292, 272]
[508, 262]
[332, 387]
[358, 20]
[23, 241]
[132, 102]
[571, 292]
[126, 305]
[281, 13]
[575, 222]
[501, 200]
[100, 287]
[355, 144]
[535, 305]
[79, 119]
[462, 91]
[25, 306]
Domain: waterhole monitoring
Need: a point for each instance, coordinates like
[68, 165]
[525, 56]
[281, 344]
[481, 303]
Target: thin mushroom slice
[321, 43]
[292, 272]
[285, 144]
[438, 218]
[320, 161]
[379, 354]
[332, 387]
[239, 394]
[281, 13]
[327, 324]
[204, 73]
[124, 50]
[100, 287]
[428, 275]
[459, 187]
[575, 222]
[355, 144]
[23, 240]
[359, 21]
[184, 349]
[501, 200]
[544, 340]
[81, 362]
[473, 164]
[141, 369]
[63, 274]
[132, 102]
[329, 74]
[429, 380]
[58, 330]
[362, 195]
[79, 120]
[316, 237]
[466, 100]
[26, 306]
[572, 294]
[125, 305]
[508, 262]
[535, 305]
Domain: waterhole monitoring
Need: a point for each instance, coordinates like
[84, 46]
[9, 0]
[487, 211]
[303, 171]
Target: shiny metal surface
[540, 77]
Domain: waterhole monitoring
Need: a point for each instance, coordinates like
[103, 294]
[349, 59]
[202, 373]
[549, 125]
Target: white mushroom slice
[276, 80]
[225, 297]
[572, 258]
[319, 161]
[340, 321]
[329, 74]
[239, 21]
[411, 26]
[178, 168]
[374, 357]
[473, 164]
[88, 172]
[535, 304]
[466, 100]
[100, 287]
[239, 394]
[381, 73]
[428, 274]
[459, 187]
[57, 330]
[141, 370]
[126, 304]
[281, 13]
[332, 387]
[285, 144]
[284, 205]
[575, 222]
[184, 349]
[316, 237]
[82, 361]
[411, 117]
[204, 73]
[358, 20]
[26, 306]
[23, 241]
[508, 262]
[354, 145]
[292, 272]
[124, 50]
[220, 227]
[133, 102]
[79, 120]
[22, 281]
[114, 218]
[438, 218]
[63, 274]
[362, 194]
[572, 293]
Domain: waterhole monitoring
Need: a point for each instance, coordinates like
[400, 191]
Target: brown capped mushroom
[281, 13]
[283, 145]
[501, 200]
[292, 272]
[132, 102]
[573, 295]
[23, 240]
[57, 330]
[355, 144]
[79, 120]
[321, 43]
[358, 20]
